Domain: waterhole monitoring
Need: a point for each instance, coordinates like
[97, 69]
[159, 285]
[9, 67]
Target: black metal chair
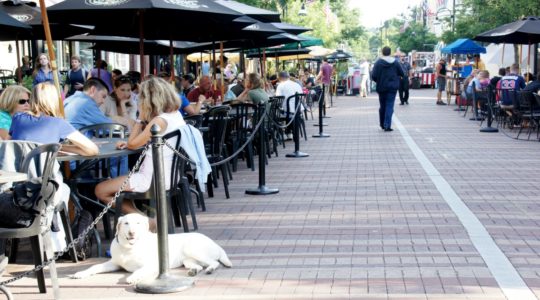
[40, 239]
[275, 116]
[216, 120]
[289, 113]
[25, 147]
[178, 195]
[527, 113]
[240, 129]
[195, 120]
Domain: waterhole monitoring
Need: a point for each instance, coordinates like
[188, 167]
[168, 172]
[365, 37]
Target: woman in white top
[158, 104]
[118, 105]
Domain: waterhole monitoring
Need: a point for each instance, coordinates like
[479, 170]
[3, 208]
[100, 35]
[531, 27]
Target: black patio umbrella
[194, 20]
[151, 19]
[339, 55]
[262, 42]
[128, 45]
[290, 28]
[259, 14]
[276, 52]
[12, 29]
[524, 31]
[28, 13]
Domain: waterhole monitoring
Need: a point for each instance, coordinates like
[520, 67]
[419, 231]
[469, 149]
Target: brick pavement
[360, 218]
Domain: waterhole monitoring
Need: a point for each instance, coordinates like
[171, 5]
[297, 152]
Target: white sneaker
[288, 137]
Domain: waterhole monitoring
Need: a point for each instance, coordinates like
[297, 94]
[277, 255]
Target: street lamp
[303, 12]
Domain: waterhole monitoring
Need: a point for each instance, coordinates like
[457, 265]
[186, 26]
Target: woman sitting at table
[41, 124]
[254, 92]
[14, 99]
[118, 105]
[158, 104]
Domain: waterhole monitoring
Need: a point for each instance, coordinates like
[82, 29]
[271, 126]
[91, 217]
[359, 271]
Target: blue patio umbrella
[463, 46]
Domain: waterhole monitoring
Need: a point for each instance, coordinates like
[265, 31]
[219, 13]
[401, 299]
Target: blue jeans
[386, 109]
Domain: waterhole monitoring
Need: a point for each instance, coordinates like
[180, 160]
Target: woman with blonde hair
[42, 70]
[14, 99]
[158, 104]
[41, 124]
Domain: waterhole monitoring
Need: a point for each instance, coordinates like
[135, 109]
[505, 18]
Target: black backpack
[19, 208]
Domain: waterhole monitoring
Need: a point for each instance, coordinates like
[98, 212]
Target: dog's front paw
[135, 278]
[79, 275]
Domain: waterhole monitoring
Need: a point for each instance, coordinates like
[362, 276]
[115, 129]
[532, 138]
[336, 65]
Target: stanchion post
[296, 130]
[262, 189]
[164, 283]
[322, 108]
[321, 134]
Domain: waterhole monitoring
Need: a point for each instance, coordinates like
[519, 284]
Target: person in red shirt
[204, 92]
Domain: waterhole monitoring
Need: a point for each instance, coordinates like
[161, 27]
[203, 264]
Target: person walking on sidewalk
[441, 80]
[404, 82]
[386, 73]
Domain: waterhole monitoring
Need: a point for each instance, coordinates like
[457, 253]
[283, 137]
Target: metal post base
[262, 190]
[321, 135]
[459, 109]
[323, 124]
[297, 154]
[165, 284]
[489, 129]
[326, 117]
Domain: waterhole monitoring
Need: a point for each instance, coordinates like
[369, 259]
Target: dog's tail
[224, 259]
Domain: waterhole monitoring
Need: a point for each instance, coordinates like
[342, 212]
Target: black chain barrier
[296, 110]
[85, 231]
[321, 134]
[232, 156]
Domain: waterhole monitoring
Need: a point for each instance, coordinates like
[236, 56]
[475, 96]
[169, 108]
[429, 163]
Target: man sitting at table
[288, 88]
[205, 90]
[187, 84]
[82, 108]
[512, 81]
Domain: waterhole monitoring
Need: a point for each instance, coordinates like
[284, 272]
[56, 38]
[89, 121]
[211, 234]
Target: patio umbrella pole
[528, 61]
[19, 70]
[502, 58]
[141, 44]
[164, 283]
[213, 66]
[222, 90]
[52, 54]
[171, 55]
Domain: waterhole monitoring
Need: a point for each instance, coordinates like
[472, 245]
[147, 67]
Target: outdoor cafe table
[6, 177]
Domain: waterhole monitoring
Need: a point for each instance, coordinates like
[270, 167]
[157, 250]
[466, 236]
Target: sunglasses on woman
[24, 101]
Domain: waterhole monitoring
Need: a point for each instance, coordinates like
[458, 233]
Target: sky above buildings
[375, 12]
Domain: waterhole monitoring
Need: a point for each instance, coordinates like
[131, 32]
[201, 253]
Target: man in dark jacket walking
[386, 73]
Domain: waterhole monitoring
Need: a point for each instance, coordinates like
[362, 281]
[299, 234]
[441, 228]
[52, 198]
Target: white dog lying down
[134, 249]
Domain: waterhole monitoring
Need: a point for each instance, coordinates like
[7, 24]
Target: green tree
[477, 16]
[345, 29]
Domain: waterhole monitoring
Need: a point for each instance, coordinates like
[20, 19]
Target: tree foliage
[344, 30]
[477, 16]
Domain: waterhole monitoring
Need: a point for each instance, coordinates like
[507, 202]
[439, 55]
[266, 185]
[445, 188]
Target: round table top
[107, 149]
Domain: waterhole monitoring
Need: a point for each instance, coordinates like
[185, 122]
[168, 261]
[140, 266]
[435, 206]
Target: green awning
[310, 41]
